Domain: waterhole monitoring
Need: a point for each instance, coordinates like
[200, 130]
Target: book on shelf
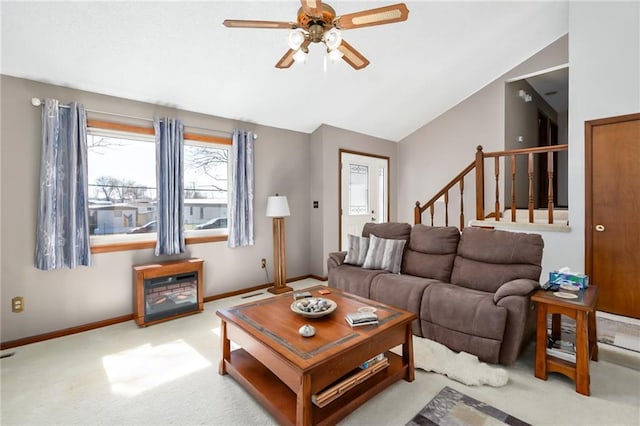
[337, 389]
[561, 354]
[368, 363]
[564, 345]
[355, 319]
[562, 349]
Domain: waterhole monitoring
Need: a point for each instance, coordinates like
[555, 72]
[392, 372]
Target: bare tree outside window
[122, 184]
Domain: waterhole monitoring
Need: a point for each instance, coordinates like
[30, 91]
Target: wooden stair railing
[478, 165]
[459, 179]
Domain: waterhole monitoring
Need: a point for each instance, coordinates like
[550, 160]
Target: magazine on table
[355, 319]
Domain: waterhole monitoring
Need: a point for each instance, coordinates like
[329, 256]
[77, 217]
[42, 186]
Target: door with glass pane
[363, 192]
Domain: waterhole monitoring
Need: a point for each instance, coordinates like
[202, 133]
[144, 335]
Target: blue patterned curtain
[240, 208]
[169, 179]
[62, 238]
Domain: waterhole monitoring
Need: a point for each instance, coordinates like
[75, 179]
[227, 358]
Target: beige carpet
[167, 374]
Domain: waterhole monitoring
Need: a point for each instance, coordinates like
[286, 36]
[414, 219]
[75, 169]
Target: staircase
[450, 199]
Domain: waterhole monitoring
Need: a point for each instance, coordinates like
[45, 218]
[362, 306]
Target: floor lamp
[278, 209]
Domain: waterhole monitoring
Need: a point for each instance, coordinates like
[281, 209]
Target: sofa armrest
[519, 287]
[336, 259]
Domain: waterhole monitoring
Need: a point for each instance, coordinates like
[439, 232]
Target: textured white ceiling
[179, 53]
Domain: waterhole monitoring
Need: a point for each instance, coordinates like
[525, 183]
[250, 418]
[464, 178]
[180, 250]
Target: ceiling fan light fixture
[332, 38]
[300, 56]
[335, 55]
[296, 38]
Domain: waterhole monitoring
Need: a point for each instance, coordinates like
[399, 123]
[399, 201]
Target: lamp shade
[277, 206]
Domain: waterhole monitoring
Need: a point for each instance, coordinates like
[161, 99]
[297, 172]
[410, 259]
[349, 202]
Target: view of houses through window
[122, 184]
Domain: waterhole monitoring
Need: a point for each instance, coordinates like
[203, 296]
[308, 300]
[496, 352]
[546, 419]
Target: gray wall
[604, 56]
[603, 82]
[521, 119]
[435, 153]
[56, 300]
[326, 142]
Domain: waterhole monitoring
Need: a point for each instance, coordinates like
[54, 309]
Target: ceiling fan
[317, 23]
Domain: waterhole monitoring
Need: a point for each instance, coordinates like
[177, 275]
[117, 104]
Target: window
[358, 189]
[122, 186]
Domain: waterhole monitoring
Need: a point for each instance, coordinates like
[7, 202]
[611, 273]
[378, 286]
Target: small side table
[583, 311]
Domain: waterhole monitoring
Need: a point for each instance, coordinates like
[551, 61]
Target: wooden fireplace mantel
[162, 269]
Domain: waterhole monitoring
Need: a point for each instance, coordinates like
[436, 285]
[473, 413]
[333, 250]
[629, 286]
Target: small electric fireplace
[168, 290]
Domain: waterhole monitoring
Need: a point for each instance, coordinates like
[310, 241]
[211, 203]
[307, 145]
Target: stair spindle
[550, 185]
[446, 208]
[530, 187]
[513, 188]
[496, 169]
[461, 204]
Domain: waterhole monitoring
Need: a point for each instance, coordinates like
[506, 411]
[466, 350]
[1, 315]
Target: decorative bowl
[313, 307]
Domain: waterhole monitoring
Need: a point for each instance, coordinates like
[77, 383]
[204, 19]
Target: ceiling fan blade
[240, 23]
[352, 56]
[312, 7]
[287, 60]
[379, 16]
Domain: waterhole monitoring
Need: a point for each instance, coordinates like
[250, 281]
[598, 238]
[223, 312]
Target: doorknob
[600, 228]
[373, 219]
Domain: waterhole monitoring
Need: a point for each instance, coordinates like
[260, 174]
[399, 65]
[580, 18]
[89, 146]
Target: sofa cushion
[384, 254]
[353, 279]
[389, 230]
[402, 291]
[461, 309]
[356, 250]
[488, 258]
[431, 252]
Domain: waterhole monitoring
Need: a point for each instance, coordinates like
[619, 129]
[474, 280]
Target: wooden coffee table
[283, 370]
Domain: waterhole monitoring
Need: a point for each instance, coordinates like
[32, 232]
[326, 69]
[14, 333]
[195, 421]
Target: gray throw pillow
[384, 254]
[356, 249]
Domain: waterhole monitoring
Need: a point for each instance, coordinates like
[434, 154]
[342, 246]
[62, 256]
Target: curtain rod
[38, 102]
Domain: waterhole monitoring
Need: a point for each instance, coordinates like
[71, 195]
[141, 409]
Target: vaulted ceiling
[180, 54]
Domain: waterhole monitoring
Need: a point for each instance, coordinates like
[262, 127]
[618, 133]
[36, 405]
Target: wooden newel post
[479, 183]
[417, 214]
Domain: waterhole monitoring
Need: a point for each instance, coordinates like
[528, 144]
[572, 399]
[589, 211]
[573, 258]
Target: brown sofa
[470, 291]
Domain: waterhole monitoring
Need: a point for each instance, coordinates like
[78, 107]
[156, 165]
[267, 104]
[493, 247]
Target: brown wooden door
[612, 212]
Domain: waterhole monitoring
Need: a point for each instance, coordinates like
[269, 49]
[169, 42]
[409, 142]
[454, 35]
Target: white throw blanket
[460, 366]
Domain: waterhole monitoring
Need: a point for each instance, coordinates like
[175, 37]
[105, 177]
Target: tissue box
[579, 280]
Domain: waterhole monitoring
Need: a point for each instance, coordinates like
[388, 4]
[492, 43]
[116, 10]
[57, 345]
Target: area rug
[452, 408]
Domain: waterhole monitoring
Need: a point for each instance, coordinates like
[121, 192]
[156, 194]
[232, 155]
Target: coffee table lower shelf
[280, 401]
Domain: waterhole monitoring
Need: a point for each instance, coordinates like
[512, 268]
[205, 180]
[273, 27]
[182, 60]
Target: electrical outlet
[263, 263]
[17, 304]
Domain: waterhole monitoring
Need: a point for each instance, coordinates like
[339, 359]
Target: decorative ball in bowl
[313, 307]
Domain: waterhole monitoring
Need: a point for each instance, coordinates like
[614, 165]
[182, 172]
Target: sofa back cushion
[431, 252]
[389, 230]
[488, 258]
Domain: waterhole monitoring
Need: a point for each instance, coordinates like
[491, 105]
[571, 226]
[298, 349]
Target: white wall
[604, 81]
[55, 300]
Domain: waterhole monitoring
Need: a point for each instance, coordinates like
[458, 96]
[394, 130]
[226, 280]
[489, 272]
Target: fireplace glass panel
[170, 295]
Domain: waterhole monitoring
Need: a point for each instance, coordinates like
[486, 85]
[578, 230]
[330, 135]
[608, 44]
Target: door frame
[588, 181]
[364, 154]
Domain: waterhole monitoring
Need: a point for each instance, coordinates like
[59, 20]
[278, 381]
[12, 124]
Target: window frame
[108, 247]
